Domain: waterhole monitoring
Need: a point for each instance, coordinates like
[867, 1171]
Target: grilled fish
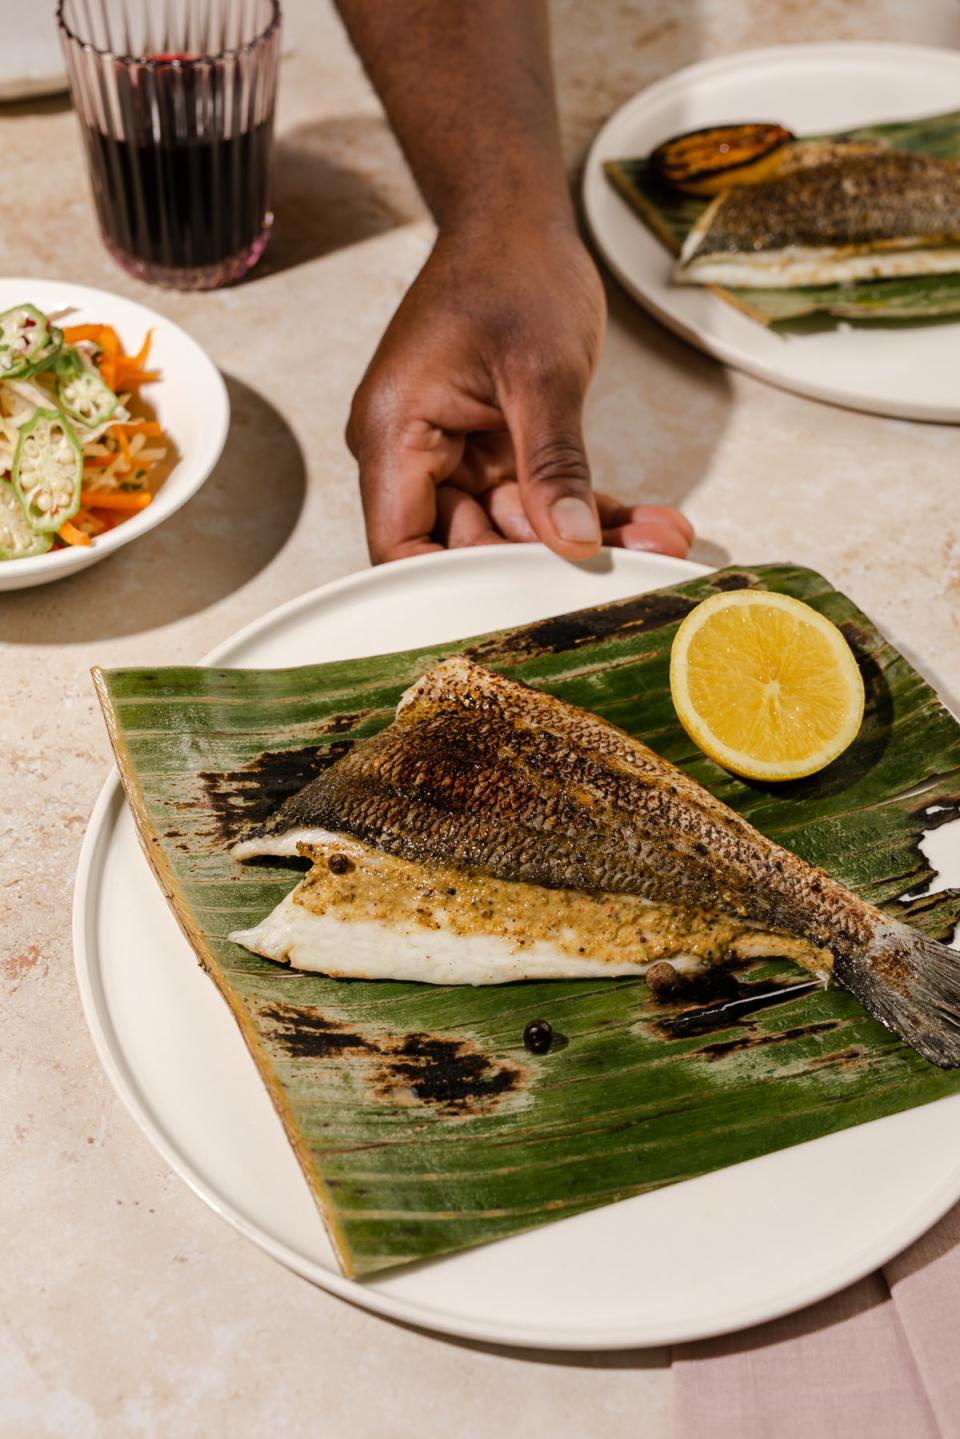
[872, 215]
[439, 924]
[493, 832]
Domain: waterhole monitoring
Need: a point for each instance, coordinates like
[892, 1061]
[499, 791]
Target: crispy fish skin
[864, 215]
[481, 773]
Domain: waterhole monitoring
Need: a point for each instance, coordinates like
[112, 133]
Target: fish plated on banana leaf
[493, 833]
[864, 224]
[545, 953]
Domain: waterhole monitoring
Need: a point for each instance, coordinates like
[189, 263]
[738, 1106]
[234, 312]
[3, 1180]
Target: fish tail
[912, 985]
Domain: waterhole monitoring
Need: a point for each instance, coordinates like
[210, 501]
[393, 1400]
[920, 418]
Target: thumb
[545, 423]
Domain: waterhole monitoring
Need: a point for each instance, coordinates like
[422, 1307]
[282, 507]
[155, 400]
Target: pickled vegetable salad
[74, 461]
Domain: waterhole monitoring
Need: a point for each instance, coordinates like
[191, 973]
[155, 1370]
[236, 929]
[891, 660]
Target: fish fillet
[868, 216]
[364, 914]
[559, 832]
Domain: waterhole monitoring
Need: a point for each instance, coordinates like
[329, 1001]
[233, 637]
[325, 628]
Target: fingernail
[575, 521]
[658, 540]
[639, 542]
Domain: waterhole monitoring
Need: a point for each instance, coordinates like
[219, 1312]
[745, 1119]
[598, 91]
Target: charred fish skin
[881, 213]
[483, 773]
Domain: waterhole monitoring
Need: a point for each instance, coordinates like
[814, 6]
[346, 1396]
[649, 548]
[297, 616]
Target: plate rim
[56, 565]
[110, 805]
[719, 348]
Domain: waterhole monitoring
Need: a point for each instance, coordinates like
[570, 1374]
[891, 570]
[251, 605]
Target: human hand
[467, 426]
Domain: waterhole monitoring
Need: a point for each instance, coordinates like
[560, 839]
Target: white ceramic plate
[190, 401]
[906, 370]
[31, 61]
[733, 1248]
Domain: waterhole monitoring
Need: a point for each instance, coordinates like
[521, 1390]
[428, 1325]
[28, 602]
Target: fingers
[543, 413]
[504, 505]
[638, 527]
[462, 521]
[463, 479]
[403, 457]
[488, 461]
[645, 527]
[614, 514]
[653, 535]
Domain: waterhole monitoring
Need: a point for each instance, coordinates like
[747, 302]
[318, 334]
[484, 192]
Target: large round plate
[189, 400]
[733, 1248]
[31, 61]
[898, 369]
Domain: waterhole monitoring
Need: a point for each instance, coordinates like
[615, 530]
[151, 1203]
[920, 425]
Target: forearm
[468, 87]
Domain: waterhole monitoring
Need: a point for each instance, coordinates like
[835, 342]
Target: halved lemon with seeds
[765, 685]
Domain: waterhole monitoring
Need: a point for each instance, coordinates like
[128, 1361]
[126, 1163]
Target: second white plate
[31, 61]
[732, 1249]
[905, 370]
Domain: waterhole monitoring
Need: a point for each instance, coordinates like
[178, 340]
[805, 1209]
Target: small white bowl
[189, 400]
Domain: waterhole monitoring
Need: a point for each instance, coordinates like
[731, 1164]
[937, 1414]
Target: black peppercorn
[662, 977]
[340, 864]
[538, 1036]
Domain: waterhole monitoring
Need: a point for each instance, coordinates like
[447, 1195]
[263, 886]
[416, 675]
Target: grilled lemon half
[765, 685]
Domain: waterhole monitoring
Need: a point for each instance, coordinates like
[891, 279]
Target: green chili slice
[87, 398]
[47, 470]
[17, 540]
[24, 333]
[68, 363]
[46, 358]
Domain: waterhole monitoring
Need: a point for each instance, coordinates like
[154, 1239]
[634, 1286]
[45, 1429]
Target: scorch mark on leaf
[450, 1075]
[240, 800]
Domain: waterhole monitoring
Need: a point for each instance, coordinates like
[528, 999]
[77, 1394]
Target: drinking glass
[176, 101]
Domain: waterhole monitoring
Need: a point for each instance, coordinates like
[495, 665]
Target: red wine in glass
[178, 145]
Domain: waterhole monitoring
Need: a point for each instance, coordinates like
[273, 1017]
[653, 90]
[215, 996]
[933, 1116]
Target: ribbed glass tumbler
[176, 101]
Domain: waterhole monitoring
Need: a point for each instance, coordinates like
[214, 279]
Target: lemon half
[765, 685]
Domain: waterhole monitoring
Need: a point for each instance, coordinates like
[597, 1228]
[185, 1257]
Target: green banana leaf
[421, 1122]
[671, 215]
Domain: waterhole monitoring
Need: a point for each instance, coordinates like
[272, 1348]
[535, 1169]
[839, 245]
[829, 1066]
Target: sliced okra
[47, 471]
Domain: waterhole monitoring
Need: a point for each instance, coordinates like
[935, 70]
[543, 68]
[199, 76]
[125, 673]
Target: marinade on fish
[873, 215]
[439, 924]
[558, 833]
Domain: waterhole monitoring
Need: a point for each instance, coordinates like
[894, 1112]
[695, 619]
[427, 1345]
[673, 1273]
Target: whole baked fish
[873, 215]
[493, 832]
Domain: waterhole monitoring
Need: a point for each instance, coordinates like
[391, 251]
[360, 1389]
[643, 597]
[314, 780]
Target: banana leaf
[422, 1124]
[671, 215]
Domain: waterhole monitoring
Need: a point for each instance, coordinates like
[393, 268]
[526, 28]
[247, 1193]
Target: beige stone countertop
[127, 1307]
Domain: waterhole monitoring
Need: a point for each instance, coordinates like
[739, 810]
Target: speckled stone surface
[126, 1306]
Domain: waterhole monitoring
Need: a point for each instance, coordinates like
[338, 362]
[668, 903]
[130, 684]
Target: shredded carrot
[115, 499]
[90, 524]
[73, 333]
[127, 376]
[71, 535]
[121, 439]
[104, 508]
[130, 369]
[138, 360]
[139, 427]
[110, 359]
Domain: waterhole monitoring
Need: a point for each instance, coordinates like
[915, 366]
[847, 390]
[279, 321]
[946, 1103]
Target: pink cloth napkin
[879, 1361]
